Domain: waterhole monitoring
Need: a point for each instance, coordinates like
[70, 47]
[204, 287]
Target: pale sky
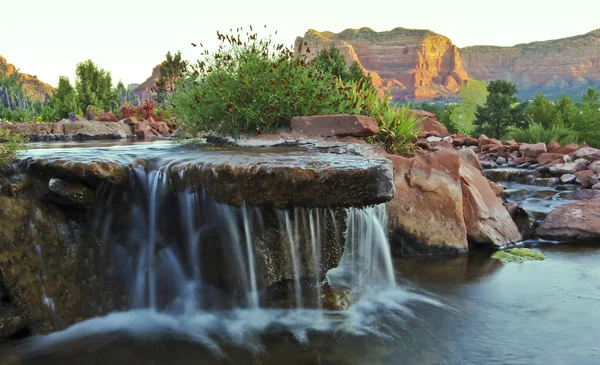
[129, 37]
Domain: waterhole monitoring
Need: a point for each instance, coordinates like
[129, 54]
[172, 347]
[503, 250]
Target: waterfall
[183, 252]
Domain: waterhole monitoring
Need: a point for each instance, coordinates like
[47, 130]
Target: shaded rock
[568, 168]
[130, 121]
[107, 117]
[488, 164]
[423, 144]
[91, 173]
[532, 150]
[573, 221]
[588, 153]
[70, 193]
[580, 194]
[512, 174]
[585, 178]
[596, 187]
[518, 255]
[553, 146]
[524, 220]
[487, 222]
[546, 158]
[512, 145]
[549, 181]
[595, 166]
[334, 125]
[501, 161]
[568, 178]
[566, 187]
[12, 320]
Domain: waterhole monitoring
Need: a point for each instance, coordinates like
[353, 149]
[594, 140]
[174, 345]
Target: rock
[568, 168]
[70, 193]
[426, 214]
[553, 146]
[130, 121]
[595, 166]
[107, 117]
[512, 145]
[573, 222]
[550, 181]
[568, 178]
[90, 173]
[596, 187]
[532, 150]
[501, 161]
[525, 160]
[12, 321]
[339, 125]
[429, 124]
[487, 222]
[511, 174]
[546, 158]
[423, 144]
[581, 194]
[566, 159]
[588, 153]
[566, 187]
[161, 127]
[497, 188]
[483, 140]
[570, 148]
[468, 156]
[583, 177]
[518, 255]
[524, 220]
[489, 164]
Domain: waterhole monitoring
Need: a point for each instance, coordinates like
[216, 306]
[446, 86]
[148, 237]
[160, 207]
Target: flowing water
[195, 279]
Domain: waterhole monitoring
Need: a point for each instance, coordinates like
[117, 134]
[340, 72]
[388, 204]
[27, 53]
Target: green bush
[252, 86]
[536, 132]
[11, 145]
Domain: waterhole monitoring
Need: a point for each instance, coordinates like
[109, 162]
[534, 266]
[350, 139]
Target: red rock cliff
[556, 66]
[35, 88]
[412, 64]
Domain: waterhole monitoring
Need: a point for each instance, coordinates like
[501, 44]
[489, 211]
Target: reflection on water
[457, 310]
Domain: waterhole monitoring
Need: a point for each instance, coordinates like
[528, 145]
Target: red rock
[161, 127]
[468, 156]
[588, 153]
[497, 188]
[146, 134]
[334, 125]
[442, 144]
[141, 126]
[553, 146]
[423, 144]
[512, 145]
[546, 158]
[522, 160]
[573, 222]
[568, 149]
[107, 117]
[494, 148]
[130, 120]
[429, 125]
[586, 178]
[532, 150]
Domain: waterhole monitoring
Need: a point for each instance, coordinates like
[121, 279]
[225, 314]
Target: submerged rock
[518, 255]
[573, 221]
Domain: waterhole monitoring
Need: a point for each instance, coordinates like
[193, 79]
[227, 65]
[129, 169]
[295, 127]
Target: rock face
[412, 64]
[77, 130]
[340, 125]
[35, 88]
[553, 67]
[573, 221]
[150, 81]
[442, 203]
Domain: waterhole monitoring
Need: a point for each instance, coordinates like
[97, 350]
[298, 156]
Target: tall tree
[172, 69]
[65, 100]
[93, 85]
[501, 110]
[587, 121]
[542, 110]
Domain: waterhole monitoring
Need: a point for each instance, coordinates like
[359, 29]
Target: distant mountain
[150, 81]
[564, 65]
[35, 88]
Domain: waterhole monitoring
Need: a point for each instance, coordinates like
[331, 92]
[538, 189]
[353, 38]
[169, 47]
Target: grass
[518, 255]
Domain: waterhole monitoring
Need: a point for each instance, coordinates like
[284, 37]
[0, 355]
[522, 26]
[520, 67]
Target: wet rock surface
[573, 221]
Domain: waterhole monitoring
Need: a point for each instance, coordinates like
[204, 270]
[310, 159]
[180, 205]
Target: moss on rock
[518, 255]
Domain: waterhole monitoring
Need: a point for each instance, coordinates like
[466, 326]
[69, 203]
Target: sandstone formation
[35, 88]
[411, 64]
[553, 67]
[150, 81]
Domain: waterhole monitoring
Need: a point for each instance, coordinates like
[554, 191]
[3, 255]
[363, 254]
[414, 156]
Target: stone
[546, 158]
[512, 145]
[588, 153]
[532, 150]
[488, 223]
[568, 178]
[581, 194]
[339, 125]
[595, 166]
[469, 157]
[582, 177]
[161, 127]
[549, 181]
[70, 193]
[423, 144]
[130, 120]
[524, 220]
[501, 161]
[568, 168]
[77, 130]
[596, 187]
[90, 173]
[575, 221]
[107, 117]
[553, 146]
[489, 164]
[429, 124]
[497, 188]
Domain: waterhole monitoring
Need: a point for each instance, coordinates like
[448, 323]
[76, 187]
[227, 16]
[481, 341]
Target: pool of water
[445, 310]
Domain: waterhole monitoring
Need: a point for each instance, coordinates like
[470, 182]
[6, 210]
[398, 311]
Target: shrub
[12, 145]
[252, 86]
[536, 132]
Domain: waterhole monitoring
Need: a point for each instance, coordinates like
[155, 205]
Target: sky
[48, 38]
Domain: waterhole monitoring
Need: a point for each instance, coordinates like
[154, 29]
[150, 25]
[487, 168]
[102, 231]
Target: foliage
[332, 61]
[587, 120]
[474, 94]
[501, 110]
[536, 132]
[11, 145]
[93, 85]
[542, 110]
[251, 85]
[65, 100]
[172, 69]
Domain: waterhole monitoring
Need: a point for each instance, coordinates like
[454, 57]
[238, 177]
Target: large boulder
[532, 150]
[588, 153]
[429, 124]
[339, 125]
[546, 158]
[569, 167]
[572, 222]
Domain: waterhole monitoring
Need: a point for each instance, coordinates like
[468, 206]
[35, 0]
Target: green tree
[172, 69]
[65, 100]
[473, 94]
[501, 110]
[587, 119]
[331, 60]
[567, 109]
[543, 111]
[93, 85]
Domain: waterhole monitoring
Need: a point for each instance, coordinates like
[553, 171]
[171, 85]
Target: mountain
[412, 64]
[564, 65]
[35, 88]
[150, 81]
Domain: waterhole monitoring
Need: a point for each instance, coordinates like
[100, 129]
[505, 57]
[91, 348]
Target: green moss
[518, 255]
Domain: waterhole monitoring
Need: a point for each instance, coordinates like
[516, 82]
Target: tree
[473, 94]
[65, 100]
[331, 60]
[501, 110]
[543, 111]
[93, 85]
[587, 120]
[567, 110]
[171, 71]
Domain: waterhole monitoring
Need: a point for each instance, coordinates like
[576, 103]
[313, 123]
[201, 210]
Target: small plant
[11, 145]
